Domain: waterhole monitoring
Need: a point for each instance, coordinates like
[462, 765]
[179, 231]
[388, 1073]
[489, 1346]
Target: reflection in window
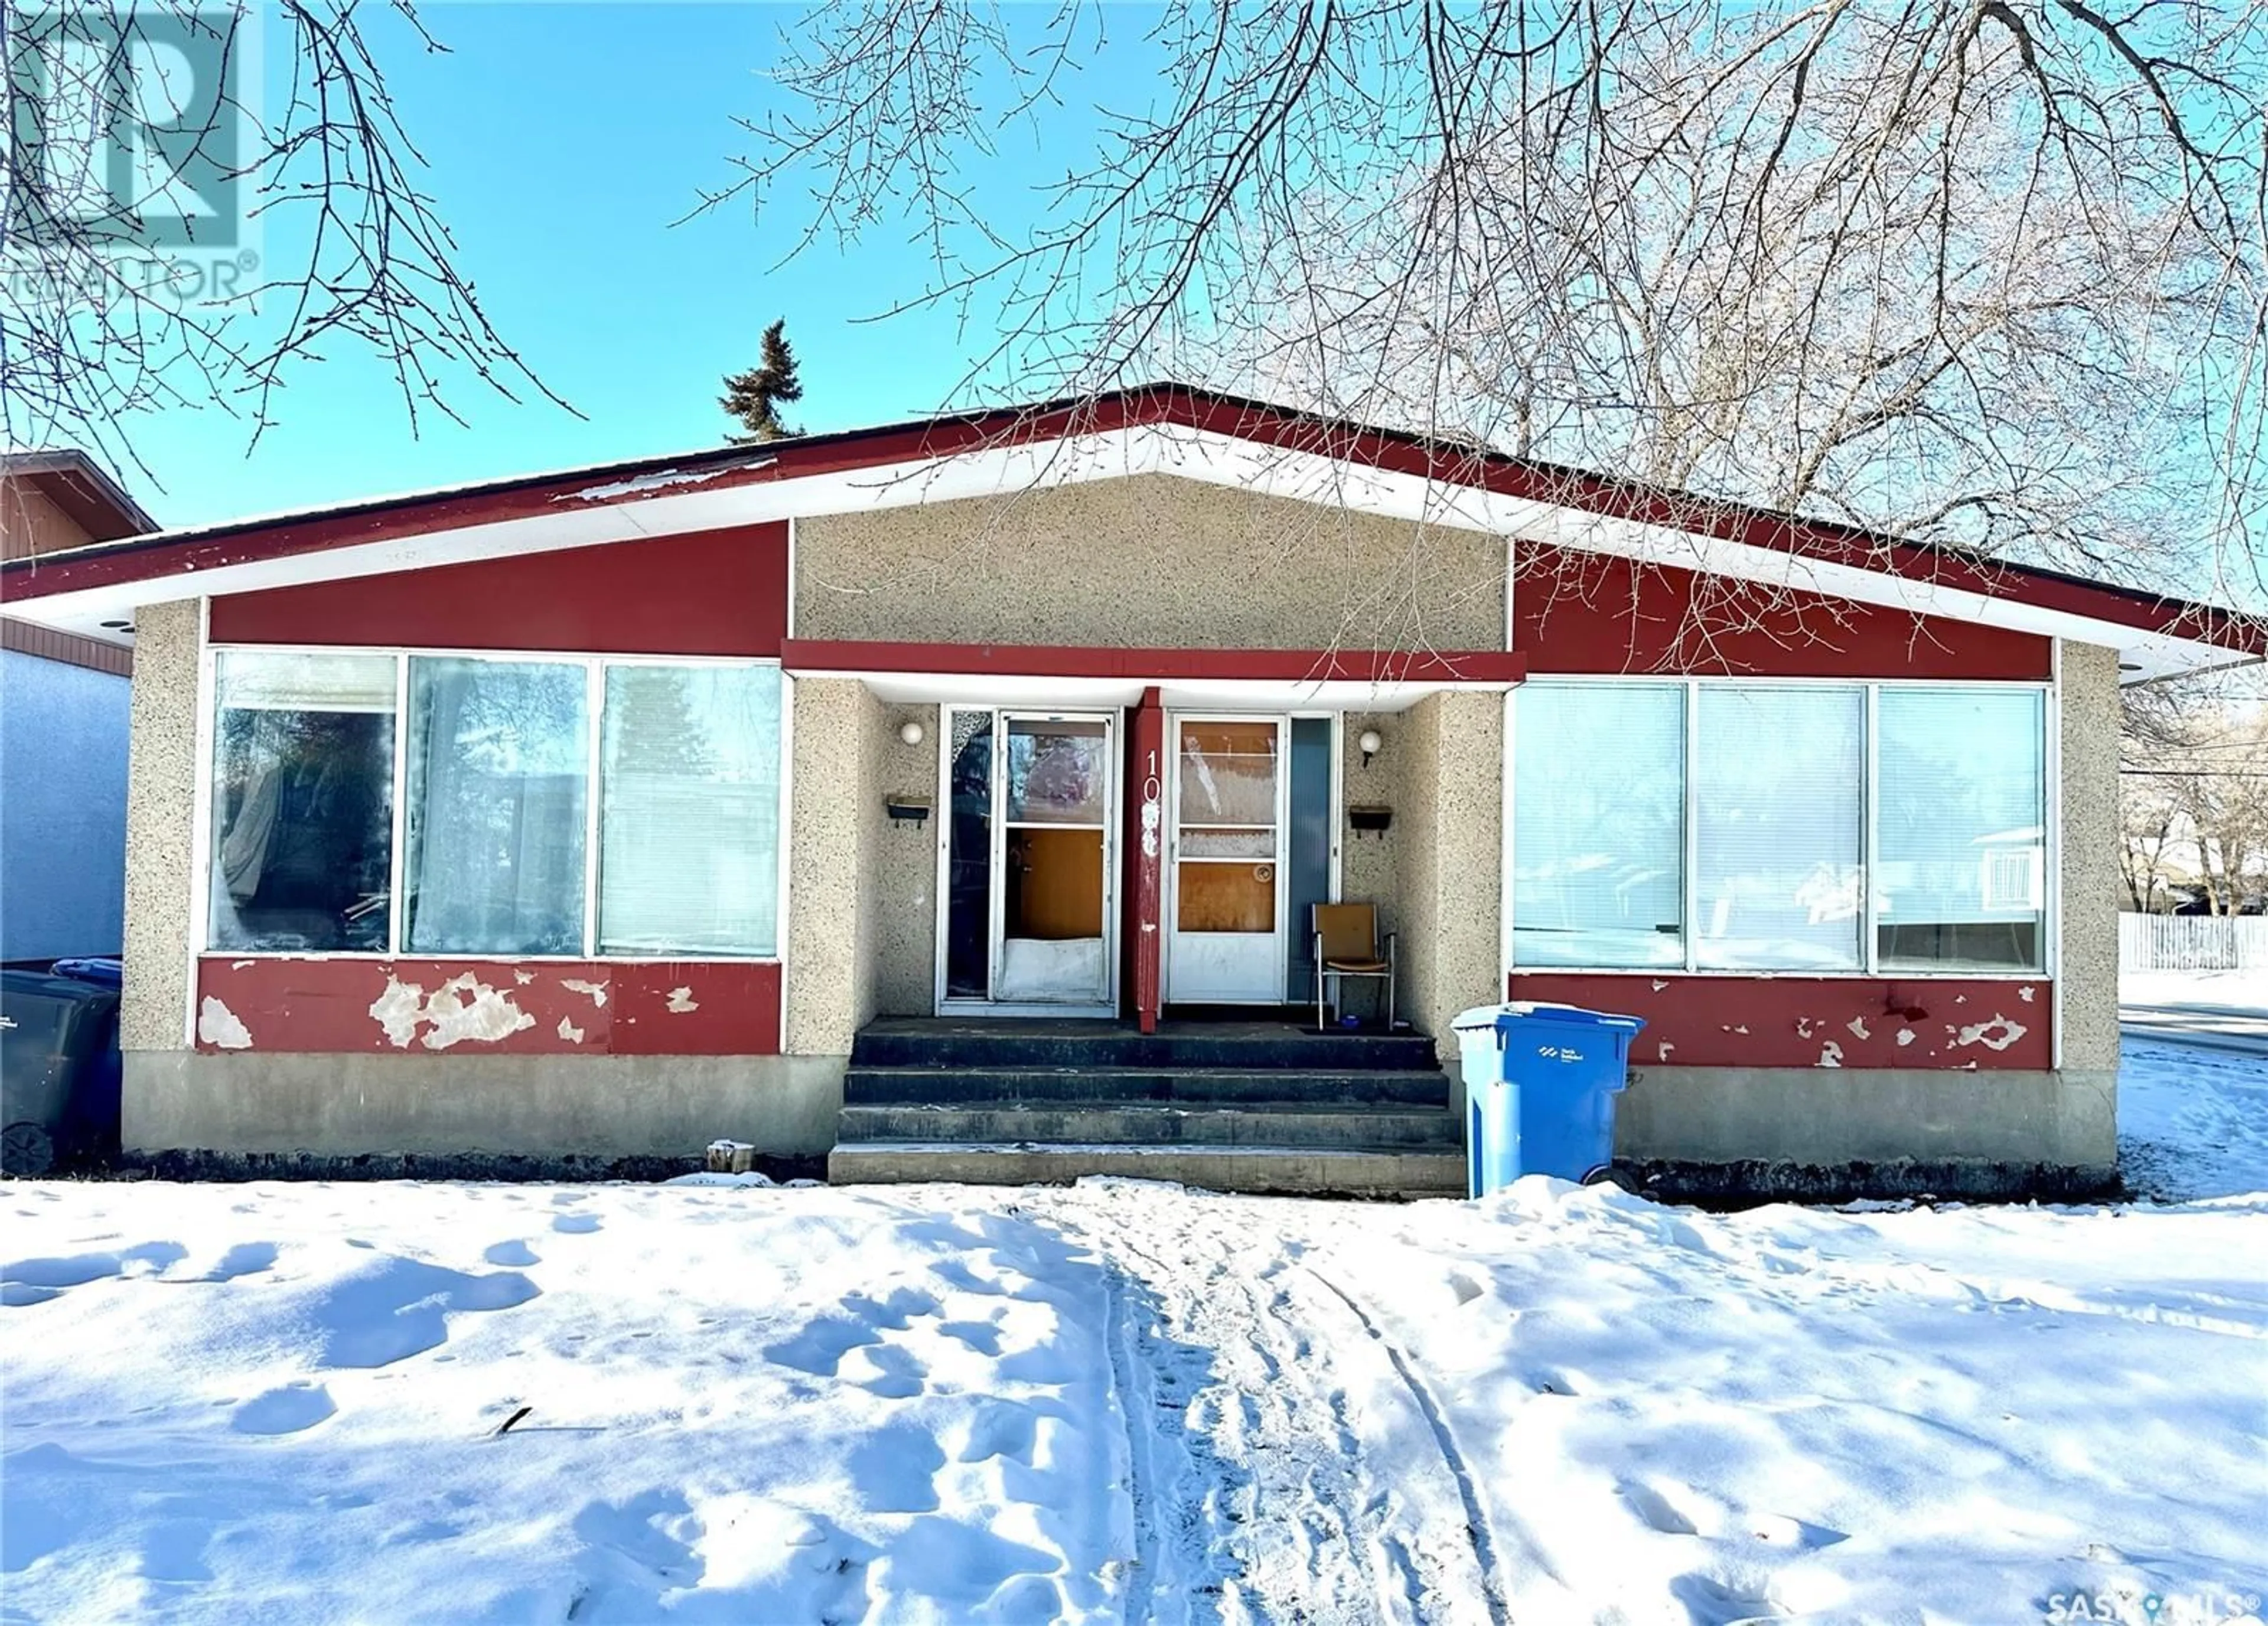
[1779, 781]
[302, 802]
[1962, 875]
[498, 771]
[689, 810]
[1599, 825]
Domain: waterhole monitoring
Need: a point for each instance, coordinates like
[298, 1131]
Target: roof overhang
[97, 591]
[1375, 681]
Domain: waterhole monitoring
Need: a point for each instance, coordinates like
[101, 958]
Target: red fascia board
[1153, 665]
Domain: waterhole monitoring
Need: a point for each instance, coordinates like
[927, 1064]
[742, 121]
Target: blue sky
[562, 140]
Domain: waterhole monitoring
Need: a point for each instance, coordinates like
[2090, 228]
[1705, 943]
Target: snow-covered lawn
[2193, 1121]
[1119, 1401]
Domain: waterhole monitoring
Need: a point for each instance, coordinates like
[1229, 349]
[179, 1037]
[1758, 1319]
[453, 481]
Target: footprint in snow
[288, 1411]
[511, 1253]
[574, 1224]
[245, 1259]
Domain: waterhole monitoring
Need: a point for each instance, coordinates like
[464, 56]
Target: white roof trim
[666, 504]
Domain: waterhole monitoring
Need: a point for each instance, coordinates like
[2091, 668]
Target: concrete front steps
[1254, 1106]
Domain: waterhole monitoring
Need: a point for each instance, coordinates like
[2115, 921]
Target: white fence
[2193, 942]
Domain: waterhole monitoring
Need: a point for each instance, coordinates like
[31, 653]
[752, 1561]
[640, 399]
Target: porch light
[912, 732]
[1370, 741]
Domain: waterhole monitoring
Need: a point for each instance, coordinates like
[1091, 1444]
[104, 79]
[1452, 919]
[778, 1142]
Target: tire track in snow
[1476, 1523]
[1319, 1483]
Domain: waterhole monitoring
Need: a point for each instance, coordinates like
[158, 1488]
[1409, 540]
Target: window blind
[1779, 798]
[1598, 825]
[689, 811]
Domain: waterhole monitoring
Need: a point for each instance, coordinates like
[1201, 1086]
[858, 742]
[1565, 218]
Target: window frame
[595, 664]
[1871, 967]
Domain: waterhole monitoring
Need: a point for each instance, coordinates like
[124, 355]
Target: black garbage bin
[59, 1069]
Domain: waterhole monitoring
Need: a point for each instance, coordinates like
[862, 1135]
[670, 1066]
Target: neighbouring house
[64, 701]
[919, 792]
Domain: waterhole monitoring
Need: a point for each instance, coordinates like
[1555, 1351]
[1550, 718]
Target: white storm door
[1224, 901]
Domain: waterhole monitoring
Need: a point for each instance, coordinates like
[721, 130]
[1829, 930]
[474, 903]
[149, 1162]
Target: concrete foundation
[1832, 1132]
[539, 1107]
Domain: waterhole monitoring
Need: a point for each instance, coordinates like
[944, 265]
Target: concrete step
[1124, 1123]
[990, 1085]
[1355, 1172]
[1007, 1044]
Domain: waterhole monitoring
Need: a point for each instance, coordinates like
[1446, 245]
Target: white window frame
[1871, 968]
[595, 664]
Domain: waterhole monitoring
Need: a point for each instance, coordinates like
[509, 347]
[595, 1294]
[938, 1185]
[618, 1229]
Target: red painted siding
[1590, 614]
[1790, 1021]
[709, 592]
[476, 1007]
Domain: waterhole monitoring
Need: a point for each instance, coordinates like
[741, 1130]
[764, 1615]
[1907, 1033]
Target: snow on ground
[2192, 1120]
[2213, 990]
[1125, 1402]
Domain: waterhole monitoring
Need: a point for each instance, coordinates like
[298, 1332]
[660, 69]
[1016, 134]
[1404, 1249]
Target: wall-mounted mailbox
[1371, 818]
[912, 809]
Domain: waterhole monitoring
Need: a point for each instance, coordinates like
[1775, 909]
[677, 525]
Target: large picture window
[499, 767]
[1717, 825]
[689, 810]
[302, 801]
[508, 770]
[1961, 874]
[1599, 828]
[1778, 804]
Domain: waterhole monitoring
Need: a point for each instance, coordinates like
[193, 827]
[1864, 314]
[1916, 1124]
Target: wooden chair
[1347, 944]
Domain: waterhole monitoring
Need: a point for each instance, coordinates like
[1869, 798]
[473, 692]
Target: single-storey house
[955, 795]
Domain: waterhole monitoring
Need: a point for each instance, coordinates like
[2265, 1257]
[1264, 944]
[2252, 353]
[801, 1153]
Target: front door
[1225, 898]
[1025, 862]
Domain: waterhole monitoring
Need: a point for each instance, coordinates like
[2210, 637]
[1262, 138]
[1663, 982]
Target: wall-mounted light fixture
[1370, 741]
[912, 732]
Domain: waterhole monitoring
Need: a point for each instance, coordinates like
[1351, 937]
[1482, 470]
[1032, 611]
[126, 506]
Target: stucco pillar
[2086, 1126]
[834, 815]
[1451, 859]
[161, 836]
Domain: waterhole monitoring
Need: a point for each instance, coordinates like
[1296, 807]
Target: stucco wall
[63, 823]
[161, 781]
[453, 1106]
[832, 895]
[1148, 561]
[2088, 878]
[1451, 858]
[1369, 863]
[903, 892]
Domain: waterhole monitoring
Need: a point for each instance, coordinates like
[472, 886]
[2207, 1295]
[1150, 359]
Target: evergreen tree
[754, 396]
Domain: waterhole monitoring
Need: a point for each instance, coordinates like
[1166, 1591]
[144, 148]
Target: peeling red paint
[451, 1006]
[1752, 1021]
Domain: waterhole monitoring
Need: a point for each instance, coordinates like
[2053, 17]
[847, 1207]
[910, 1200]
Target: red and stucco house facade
[598, 813]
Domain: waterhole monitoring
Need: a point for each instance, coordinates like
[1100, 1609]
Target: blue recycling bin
[1540, 1087]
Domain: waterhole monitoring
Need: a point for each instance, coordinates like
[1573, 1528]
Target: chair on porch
[1347, 944]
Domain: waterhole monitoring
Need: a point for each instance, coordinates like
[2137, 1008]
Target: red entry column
[1145, 822]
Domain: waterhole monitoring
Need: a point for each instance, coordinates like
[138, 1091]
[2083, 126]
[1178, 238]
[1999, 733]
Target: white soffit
[624, 510]
[1043, 694]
